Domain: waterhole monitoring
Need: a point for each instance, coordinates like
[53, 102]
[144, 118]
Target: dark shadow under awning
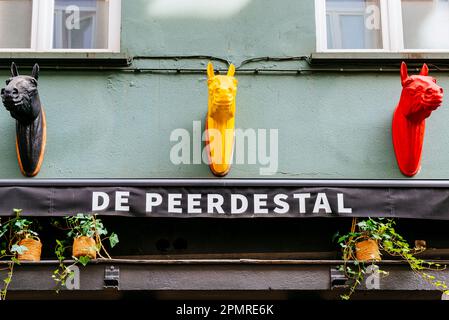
[228, 198]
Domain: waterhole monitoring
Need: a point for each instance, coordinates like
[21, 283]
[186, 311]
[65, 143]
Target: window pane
[425, 24]
[81, 24]
[354, 24]
[15, 23]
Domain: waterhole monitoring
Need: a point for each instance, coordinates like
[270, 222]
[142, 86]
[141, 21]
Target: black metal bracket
[338, 279]
[111, 277]
[67, 61]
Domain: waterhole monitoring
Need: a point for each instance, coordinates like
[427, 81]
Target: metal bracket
[111, 277]
[338, 279]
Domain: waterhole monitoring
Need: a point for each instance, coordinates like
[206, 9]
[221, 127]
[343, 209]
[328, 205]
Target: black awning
[193, 198]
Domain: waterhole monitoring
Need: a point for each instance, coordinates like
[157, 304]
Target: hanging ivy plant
[77, 227]
[390, 242]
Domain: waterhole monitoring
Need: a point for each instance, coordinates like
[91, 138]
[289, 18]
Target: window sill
[376, 58]
[66, 59]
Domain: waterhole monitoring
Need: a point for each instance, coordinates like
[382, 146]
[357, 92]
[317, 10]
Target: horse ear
[404, 72]
[424, 70]
[14, 70]
[231, 71]
[210, 70]
[35, 73]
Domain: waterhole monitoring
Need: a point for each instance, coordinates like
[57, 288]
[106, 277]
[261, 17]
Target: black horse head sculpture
[21, 98]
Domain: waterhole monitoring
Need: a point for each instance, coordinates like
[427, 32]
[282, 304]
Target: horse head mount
[21, 98]
[420, 97]
[220, 119]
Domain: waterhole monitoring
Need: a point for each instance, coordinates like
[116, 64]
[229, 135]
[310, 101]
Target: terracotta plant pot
[85, 247]
[34, 250]
[367, 250]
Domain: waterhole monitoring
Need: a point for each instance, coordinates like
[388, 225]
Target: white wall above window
[60, 25]
[399, 26]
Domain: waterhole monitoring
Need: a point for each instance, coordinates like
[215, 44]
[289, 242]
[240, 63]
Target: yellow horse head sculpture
[220, 122]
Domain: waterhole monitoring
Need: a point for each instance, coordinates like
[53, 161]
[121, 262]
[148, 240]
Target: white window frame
[42, 30]
[392, 31]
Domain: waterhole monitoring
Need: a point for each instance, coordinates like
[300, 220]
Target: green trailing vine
[12, 231]
[391, 243]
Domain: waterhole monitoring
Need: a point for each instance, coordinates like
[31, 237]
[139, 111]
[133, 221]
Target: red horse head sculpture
[420, 97]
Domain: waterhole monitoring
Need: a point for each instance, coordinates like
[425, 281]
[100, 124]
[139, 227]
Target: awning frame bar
[357, 183]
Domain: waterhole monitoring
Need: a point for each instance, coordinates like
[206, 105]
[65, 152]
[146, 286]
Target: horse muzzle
[224, 102]
[11, 103]
[434, 102]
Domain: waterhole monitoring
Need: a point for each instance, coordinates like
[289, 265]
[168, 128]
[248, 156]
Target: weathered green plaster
[118, 125]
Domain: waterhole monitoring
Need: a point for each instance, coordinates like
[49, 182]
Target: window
[382, 25]
[60, 25]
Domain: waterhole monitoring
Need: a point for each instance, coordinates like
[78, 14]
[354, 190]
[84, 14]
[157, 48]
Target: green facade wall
[112, 124]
